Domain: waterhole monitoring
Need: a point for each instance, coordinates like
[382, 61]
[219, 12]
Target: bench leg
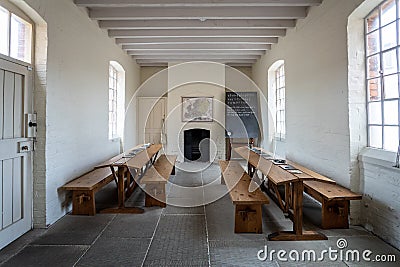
[155, 195]
[83, 203]
[335, 214]
[248, 219]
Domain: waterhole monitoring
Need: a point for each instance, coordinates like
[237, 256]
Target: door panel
[17, 189]
[8, 131]
[151, 120]
[18, 106]
[15, 166]
[1, 190]
[7, 192]
[1, 102]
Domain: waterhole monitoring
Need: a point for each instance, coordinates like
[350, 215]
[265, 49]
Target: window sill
[379, 157]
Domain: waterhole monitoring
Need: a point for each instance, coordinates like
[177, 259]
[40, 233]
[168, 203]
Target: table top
[141, 158]
[123, 158]
[274, 171]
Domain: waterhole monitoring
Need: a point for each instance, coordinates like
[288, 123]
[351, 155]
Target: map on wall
[197, 109]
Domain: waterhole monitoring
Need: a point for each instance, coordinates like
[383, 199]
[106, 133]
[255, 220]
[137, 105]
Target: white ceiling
[235, 32]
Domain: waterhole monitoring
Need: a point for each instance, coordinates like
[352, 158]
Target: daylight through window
[382, 59]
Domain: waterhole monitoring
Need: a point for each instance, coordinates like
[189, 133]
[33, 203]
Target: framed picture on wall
[197, 109]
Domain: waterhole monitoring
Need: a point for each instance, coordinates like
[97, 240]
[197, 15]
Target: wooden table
[132, 167]
[292, 204]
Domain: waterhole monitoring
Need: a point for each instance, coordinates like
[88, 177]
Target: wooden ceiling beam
[194, 3]
[195, 33]
[197, 24]
[200, 13]
[202, 40]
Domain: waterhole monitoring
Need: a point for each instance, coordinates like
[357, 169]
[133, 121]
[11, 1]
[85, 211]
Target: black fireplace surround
[197, 145]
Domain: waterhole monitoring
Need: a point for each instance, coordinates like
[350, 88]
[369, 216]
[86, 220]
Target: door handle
[32, 124]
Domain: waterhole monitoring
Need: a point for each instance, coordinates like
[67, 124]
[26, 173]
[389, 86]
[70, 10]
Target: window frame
[14, 11]
[381, 75]
[280, 75]
[113, 103]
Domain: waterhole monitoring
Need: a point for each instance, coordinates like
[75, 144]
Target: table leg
[297, 233]
[121, 187]
[121, 197]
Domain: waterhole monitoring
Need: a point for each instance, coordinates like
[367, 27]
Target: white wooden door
[151, 120]
[15, 152]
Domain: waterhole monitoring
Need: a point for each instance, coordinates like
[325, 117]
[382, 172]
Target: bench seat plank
[248, 212]
[238, 182]
[161, 170]
[92, 180]
[331, 191]
[156, 179]
[84, 188]
[335, 201]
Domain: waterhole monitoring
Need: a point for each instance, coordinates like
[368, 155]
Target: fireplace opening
[197, 145]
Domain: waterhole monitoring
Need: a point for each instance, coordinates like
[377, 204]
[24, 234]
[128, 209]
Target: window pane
[21, 39]
[373, 21]
[373, 43]
[389, 62]
[389, 38]
[375, 136]
[391, 138]
[388, 12]
[4, 16]
[373, 66]
[391, 112]
[375, 113]
[374, 89]
[391, 84]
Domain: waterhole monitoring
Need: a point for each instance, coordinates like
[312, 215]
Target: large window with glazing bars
[382, 34]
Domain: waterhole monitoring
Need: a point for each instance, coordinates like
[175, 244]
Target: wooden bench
[335, 201]
[156, 179]
[248, 213]
[84, 187]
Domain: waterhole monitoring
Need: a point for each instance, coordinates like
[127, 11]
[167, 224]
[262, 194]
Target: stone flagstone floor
[194, 235]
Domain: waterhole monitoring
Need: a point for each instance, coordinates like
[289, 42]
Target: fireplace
[197, 145]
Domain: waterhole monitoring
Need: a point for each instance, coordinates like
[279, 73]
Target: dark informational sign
[241, 113]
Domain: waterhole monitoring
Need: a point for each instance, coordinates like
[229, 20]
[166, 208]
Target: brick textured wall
[380, 207]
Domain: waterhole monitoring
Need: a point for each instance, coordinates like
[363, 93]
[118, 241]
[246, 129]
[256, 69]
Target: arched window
[116, 100]
[276, 97]
[15, 35]
[382, 35]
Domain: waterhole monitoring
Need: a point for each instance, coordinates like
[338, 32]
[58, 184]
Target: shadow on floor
[177, 236]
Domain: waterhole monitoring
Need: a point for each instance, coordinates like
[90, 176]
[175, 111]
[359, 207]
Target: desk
[131, 164]
[293, 202]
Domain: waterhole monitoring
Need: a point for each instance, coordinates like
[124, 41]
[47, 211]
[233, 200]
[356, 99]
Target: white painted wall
[315, 55]
[380, 183]
[326, 113]
[196, 79]
[78, 56]
[377, 179]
